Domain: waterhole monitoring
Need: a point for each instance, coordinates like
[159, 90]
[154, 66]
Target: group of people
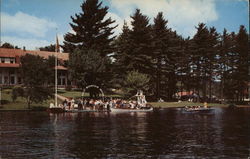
[205, 105]
[98, 104]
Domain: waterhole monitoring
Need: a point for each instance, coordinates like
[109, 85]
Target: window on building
[1, 82]
[7, 60]
[12, 60]
[6, 80]
[2, 60]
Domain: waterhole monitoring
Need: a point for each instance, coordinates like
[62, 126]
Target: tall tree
[160, 45]
[242, 48]
[92, 30]
[226, 45]
[122, 50]
[140, 37]
[200, 47]
[121, 56]
[211, 62]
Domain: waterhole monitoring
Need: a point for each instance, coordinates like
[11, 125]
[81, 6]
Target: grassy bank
[78, 94]
[20, 103]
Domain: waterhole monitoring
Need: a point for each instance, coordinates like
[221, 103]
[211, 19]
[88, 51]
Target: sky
[35, 23]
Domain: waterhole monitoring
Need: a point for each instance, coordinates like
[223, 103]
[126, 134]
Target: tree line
[170, 62]
[154, 58]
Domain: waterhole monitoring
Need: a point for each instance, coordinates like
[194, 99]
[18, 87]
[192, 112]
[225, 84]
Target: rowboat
[149, 109]
[197, 110]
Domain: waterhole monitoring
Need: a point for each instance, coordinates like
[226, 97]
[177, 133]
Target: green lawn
[20, 103]
[78, 94]
[182, 104]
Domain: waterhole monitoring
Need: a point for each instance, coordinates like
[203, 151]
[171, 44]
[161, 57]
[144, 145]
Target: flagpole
[56, 72]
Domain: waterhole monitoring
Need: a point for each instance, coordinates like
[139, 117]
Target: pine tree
[122, 50]
[122, 62]
[160, 46]
[242, 48]
[92, 29]
[230, 70]
[140, 37]
[225, 47]
[212, 60]
[199, 46]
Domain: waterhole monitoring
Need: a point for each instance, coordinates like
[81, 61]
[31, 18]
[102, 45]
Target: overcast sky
[34, 23]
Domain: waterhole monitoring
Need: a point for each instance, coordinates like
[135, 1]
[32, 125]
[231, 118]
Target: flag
[57, 49]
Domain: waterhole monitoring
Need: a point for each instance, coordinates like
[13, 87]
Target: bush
[17, 91]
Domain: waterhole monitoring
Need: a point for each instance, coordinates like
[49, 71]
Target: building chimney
[24, 48]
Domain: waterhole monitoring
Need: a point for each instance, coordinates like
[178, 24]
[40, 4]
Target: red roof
[18, 52]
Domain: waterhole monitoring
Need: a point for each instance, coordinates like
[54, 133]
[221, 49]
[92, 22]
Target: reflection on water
[167, 133]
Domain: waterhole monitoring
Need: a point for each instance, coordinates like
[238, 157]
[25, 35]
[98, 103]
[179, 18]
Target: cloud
[183, 15]
[23, 24]
[29, 43]
[118, 21]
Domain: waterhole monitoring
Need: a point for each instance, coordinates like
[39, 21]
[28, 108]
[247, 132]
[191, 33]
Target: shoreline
[154, 106]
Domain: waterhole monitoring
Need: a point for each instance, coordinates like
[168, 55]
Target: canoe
[130, 110]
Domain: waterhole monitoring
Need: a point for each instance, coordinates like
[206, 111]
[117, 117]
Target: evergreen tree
[122, 50]
[160, 48]
[199, 48]
[122, 58]
[92, 29]
[166, 47]
[230, 68]
[242, 49]
[212, 58]
[225, 49]
[140, 43]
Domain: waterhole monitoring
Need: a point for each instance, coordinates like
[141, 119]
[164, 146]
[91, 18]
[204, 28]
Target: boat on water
[147, 109]
[54, 109]
[84, 110]
[141, 106]
[198, 109]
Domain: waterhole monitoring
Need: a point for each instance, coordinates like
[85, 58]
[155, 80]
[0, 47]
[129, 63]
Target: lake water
[168, 133]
